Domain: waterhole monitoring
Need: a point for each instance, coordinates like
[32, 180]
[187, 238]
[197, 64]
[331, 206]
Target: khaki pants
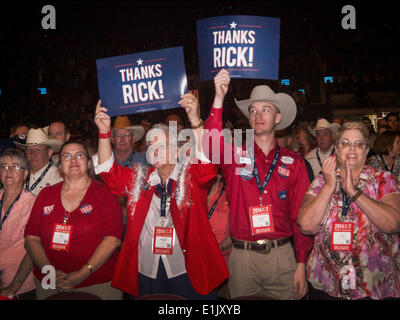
[259, 274]
[102, 290]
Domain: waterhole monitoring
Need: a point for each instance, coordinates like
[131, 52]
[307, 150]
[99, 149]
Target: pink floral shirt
[375, 255]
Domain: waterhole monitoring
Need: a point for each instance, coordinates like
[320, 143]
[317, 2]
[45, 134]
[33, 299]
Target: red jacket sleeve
[119, 179]
[203, 173]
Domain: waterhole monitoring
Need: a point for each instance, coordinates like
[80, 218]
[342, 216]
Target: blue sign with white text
[142, 82]
[247, 46]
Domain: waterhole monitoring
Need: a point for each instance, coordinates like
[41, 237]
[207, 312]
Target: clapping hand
[329, 172]
[347, 179]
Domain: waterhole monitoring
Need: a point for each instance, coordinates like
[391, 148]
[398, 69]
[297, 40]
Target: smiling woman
[75, 230]
[353, 211]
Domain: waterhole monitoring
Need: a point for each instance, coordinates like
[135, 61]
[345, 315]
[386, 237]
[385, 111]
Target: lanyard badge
[342, 236]
[61, 238]
[261, 219]
[163, 241]
[261, 216]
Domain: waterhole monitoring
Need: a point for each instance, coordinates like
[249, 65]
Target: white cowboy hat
[282, 101]
[324, 124]
[123, 122]
[40, 137]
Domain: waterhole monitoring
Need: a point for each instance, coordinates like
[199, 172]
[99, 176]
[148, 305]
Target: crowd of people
[298, 211]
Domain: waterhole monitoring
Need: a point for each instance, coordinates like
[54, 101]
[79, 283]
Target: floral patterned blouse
[375, 256]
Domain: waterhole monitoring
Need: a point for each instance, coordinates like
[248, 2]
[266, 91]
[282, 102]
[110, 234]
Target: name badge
[163, 241]
[61, 238]
[245, 160]
[261, 219]
[342, 236]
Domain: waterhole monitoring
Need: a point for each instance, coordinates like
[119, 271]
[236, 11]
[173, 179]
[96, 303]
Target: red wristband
[104, 135]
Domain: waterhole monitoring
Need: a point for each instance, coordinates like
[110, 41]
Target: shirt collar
[328, 152]
[154, 178]
[259, 152]
[39, 172]
[123, 163]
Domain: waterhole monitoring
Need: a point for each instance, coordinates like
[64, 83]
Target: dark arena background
[48, 74]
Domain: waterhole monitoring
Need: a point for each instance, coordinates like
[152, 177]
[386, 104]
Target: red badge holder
[163, 241]
[342, 236]
[261, 219]
[61, 238]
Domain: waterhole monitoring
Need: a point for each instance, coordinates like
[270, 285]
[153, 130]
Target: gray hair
[17, 155]
[169, 131]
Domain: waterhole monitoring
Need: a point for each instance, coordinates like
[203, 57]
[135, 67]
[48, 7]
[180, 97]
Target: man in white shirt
[325, 134]
[39, 150]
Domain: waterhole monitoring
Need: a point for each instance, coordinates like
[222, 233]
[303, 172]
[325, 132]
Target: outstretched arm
[192, 107]
[103, 123]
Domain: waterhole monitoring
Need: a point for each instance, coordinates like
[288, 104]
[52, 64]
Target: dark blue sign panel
[142, 82]
[247, 46]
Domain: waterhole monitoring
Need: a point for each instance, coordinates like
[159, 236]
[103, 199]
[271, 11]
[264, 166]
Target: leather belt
[262, 246]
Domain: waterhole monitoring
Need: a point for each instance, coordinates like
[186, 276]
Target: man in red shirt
[265, 187]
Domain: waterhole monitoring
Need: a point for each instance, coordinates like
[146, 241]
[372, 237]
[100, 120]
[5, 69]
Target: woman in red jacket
[169, 246]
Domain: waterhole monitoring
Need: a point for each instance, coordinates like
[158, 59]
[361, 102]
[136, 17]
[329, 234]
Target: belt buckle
[267, 245]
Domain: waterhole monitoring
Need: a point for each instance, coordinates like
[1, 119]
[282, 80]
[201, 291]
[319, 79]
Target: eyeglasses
[126, 135]
[13, 167]
[31, 151]
[345, 143]
[77, 156]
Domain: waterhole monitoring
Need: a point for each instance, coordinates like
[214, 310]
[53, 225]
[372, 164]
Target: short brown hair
[384, 142]
[355, 126]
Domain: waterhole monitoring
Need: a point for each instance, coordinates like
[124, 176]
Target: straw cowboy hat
[282, 101]
[123, 122]
[40, 137]
[324, 124]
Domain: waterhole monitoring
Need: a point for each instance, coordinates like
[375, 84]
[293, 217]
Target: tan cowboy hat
[282, 101]
[123, 122]
[324, 124]
[40, 137]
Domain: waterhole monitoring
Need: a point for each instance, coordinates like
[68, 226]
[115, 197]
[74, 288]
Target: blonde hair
[355, 126]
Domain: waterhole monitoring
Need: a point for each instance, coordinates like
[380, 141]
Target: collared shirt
[312, 158]
[285, 190]
[52, 177]
[12, 241]
[132, 158]
[148, 262]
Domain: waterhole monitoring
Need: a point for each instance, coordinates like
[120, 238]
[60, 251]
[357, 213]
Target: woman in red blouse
[75, 226]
